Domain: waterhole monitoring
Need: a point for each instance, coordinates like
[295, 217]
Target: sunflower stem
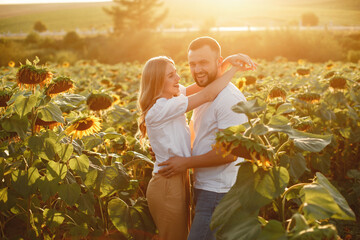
[283, 202]
[102, 215]
[281, 147]
[33, 120]
[283, 196]
[29, 213]
[106, 152]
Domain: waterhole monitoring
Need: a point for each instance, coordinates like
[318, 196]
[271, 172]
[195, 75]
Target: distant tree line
[139, 46]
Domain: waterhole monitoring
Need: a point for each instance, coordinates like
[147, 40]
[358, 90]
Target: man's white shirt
[208, 119]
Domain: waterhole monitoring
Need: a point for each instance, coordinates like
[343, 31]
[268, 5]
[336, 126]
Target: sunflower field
[71, 166]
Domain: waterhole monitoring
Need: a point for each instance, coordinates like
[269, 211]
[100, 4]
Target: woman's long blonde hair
[152, 83]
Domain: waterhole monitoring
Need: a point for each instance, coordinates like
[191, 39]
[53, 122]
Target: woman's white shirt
[167, 129]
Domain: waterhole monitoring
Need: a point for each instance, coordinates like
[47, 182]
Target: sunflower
[329, 74]
[261, 76]
[11, 64]
[84, 126]
[116, 99]
[259, 87]
[8, 137]
[295, 88]
[84, 63]
[309, 97]
[303, 71]
[5, 96]
[301, 61]
[59, 85]
[241, 84]
[106, 82]
[100, 101]
[330, 65]
[93, 74]
[338, 82]
[263, 162]
[65, 64]
[276, 92]
[114, 70]
[30, 75]
[46, 124]
[304, 126]
[352, 67]
[117, 87]
[250, 80]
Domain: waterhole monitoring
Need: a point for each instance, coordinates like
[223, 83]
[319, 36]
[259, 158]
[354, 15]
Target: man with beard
[214, 175]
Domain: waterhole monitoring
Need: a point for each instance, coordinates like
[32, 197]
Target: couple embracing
[163, 103]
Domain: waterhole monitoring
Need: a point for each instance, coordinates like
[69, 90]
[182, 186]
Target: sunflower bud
[309, 97]
[97, 102]
[338, 82]
[303, 71]
[59, 85]
[276, 92]
[29, 75]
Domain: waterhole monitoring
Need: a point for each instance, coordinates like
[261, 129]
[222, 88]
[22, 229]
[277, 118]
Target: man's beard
[210, 79]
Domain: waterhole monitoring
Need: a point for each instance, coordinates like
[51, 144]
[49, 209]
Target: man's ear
[219, 61]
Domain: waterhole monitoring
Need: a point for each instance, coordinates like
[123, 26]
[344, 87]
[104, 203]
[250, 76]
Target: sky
[47, 1]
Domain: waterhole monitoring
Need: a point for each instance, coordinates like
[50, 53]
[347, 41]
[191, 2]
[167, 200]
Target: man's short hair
[205, 41]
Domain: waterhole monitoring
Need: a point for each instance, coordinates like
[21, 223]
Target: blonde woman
[163, 103]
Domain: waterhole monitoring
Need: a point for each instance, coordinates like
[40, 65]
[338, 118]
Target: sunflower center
[97, 103]
[60, 87]
[84, 125]
[4, 99]
[44, 123]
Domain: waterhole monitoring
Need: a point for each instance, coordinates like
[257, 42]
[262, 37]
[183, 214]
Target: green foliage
[64, 56]
[353, 56]
[322, 201]
[287, 157]
[52, 185]
[251, 106]
[94, 187]
[129, 218]
[236, 217]
[33, 37]
[72, 40]
[294, 45]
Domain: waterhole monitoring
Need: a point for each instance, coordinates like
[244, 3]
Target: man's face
[204, 65]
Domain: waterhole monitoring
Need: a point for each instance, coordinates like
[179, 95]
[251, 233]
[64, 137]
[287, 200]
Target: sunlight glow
[3, 2]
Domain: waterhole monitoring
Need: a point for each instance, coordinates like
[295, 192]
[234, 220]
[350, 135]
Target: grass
[85, 17]
[184, 13]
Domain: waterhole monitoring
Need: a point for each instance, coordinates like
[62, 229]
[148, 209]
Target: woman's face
[171, 82]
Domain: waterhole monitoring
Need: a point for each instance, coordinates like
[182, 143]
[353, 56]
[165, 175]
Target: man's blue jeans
[206, 202]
